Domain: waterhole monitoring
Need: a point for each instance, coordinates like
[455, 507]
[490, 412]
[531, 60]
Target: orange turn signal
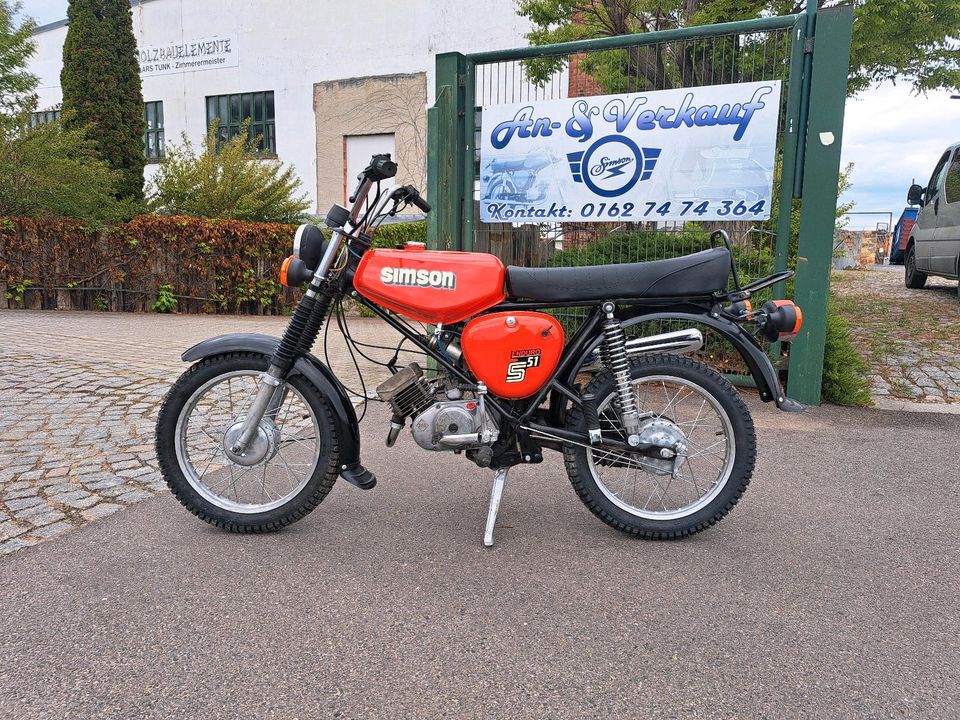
[283, 271]
[784, 318]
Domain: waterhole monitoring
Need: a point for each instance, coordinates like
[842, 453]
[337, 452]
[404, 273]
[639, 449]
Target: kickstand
[498, 482]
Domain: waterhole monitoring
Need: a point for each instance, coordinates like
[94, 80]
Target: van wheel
[912, 277]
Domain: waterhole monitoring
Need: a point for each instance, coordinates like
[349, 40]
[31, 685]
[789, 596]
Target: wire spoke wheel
[288, 441]
[284, 472]
[686, 409]
[649, 487]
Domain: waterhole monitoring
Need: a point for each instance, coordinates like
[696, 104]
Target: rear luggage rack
[742, 292]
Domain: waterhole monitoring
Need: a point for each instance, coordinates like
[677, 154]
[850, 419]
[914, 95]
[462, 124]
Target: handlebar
[412, 196]
[421, 203]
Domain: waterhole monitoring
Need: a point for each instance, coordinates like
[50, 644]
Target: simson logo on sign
[409, 277]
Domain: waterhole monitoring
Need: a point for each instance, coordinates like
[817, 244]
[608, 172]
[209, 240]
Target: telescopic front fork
[297, 339]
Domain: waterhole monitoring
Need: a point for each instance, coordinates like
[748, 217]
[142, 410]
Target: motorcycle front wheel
[289, 467]
[680, 401]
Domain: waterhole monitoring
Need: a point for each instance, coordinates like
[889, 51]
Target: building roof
[60, 23]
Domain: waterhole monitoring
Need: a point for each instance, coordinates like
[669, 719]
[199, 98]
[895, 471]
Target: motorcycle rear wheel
[684, 399]
[298, 453]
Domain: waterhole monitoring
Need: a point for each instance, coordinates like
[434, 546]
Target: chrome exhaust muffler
[679, 342]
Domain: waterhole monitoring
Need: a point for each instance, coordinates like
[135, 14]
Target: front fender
[322, 377]
[762, 370]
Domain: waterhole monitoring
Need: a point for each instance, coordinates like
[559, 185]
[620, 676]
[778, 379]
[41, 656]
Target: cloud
[893, 137]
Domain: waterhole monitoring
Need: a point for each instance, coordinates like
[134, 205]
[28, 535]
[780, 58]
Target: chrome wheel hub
[259, 450]
[663, 434]
[690, 456]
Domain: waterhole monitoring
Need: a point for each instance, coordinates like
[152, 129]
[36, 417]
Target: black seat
[701, 273]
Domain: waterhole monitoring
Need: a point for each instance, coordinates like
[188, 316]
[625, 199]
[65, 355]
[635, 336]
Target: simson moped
[254, 434]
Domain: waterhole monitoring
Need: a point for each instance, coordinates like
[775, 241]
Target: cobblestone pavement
[908, 337]
[79, 395]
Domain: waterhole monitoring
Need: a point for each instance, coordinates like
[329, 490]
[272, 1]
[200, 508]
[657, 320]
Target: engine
[452, 423]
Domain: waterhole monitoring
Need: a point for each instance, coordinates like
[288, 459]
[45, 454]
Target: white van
[934, 244]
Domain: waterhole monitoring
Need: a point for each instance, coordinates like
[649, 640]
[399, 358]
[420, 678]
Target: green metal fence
[778, 48]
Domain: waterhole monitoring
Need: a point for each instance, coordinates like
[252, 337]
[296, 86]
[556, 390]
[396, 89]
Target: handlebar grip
[421, 203]
[381, 167]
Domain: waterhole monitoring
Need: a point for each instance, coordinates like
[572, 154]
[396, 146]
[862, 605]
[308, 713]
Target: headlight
[309, 245]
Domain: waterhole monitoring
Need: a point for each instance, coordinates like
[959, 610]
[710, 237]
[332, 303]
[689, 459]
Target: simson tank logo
[411, 277]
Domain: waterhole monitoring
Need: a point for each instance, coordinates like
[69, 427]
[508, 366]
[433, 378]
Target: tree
[101, 86]
[228, 181]
[46, 170]
[909, 40]
[17, 84]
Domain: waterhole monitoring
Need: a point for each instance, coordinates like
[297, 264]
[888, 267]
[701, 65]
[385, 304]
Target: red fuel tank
[432, 286]
[513, 353]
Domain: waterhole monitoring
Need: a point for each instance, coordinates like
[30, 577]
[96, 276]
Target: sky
[890, 135]
[45, 11]
[894, 137]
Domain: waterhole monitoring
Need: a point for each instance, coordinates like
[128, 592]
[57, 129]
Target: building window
[153, 135]
[44, 116]
[230, 112]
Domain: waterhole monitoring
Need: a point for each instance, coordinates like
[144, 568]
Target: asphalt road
[830, 591]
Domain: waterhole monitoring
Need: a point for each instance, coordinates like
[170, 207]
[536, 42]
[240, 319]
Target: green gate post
[446, 159]
[828, 93]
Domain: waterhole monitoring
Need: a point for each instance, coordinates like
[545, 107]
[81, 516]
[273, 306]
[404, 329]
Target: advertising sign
[701, 153]
[203, 54]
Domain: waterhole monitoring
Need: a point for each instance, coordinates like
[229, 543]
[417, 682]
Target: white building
[326, 83]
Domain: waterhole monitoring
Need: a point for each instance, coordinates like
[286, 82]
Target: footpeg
[499, 480]
[359, 476]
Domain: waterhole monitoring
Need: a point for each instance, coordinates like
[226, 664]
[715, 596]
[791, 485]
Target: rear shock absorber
[615, 357]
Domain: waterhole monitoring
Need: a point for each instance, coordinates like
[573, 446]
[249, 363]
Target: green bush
[17, 84]
[844, 371]
[53, 172]
[389, 236]
[147, 264]
[166, 302]
[226, 180]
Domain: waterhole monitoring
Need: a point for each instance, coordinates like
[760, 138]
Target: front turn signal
[294, 272]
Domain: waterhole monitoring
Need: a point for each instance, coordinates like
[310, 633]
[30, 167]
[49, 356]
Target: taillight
[782, 320]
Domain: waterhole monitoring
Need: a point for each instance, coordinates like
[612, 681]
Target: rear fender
[762, 370]
[322, 377]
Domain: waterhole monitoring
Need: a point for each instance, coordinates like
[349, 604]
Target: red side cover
[513, 353]
[431, 286]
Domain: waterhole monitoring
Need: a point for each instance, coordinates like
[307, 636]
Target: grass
[844, 371]
[894, 330]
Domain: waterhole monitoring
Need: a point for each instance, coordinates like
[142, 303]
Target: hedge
[208, 266]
